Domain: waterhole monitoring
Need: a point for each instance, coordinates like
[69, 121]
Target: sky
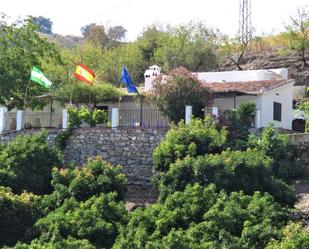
[68, 16]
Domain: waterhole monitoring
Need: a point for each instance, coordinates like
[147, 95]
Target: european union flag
[126, 79]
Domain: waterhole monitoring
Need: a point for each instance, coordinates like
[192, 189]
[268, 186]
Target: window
[277, 111]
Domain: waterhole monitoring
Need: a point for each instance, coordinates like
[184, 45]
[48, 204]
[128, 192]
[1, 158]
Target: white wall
[283, 95]
[247, 75]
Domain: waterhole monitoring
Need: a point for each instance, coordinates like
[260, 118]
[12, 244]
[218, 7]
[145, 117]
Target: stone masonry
[131, 148]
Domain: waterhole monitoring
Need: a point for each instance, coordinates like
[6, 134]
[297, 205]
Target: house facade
[271, 90]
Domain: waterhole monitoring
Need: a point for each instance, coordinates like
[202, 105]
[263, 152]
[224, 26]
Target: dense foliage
[85, 209]
[94, 178]
[179, 89]
[285, 158]
[197, 176]
[85, 204]
[231, 170]
[96, 219]
[21, 47]
[18, 214]
[294, 237]
[203, 218]
[198, 152]
[69, 243]
[26, 164]
[199, 137]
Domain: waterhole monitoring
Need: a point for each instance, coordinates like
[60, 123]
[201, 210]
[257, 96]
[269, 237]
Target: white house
[271, 90]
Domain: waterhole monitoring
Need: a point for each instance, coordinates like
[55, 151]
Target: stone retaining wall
[131, 148]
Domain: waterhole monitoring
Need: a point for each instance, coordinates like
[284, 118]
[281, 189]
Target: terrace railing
[10, 121]
[149, 118]
[42, 119]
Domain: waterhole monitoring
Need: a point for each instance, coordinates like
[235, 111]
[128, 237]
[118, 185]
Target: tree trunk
[236, 63]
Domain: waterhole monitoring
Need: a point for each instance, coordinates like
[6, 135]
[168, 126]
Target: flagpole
[51, 111]
[26, 92]
[141, 109]
[119, 94]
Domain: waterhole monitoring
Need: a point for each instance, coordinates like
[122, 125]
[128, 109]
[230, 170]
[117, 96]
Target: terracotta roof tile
[251, 87]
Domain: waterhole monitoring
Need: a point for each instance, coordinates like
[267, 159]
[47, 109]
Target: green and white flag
[38, 77]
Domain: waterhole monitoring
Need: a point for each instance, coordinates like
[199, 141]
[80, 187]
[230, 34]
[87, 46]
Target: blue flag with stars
[126, 79]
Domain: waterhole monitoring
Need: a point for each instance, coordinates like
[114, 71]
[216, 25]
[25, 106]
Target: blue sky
[68, 16]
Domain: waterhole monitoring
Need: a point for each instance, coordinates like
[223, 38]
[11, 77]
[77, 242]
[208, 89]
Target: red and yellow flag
[83, 73]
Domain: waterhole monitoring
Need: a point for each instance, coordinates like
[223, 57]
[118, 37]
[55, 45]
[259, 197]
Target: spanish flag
[83, 73]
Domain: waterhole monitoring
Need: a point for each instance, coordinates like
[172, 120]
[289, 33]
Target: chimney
[150, 75]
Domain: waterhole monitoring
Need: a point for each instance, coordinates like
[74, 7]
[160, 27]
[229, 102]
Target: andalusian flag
[83, 73]
[38, 77]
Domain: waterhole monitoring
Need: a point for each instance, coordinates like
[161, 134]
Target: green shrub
[93, 117]
[245, 114]
[75, 119]
[77, 116]
[78, 93]
[197, 138]
[231, 170]
[85, 204]
[100, 116]
[203, 218]
[295, 237]
[285, 164]
[62, 138]
[96, 219]
[27, 162]
[94, 178]
[239, 121]
[69, 243]
[18, 213]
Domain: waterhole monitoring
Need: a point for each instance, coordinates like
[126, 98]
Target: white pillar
[215, 111]
[3, 110]
[19, 120]
[115, 117]
[257, 118]
[65, 119]
[188, 114]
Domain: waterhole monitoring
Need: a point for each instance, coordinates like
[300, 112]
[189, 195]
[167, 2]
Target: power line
[120, 5]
